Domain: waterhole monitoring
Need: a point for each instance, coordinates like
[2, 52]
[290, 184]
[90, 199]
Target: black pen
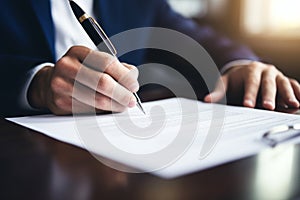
[97, 35]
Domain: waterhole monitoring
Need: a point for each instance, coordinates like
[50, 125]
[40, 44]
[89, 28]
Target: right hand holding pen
[103, 83]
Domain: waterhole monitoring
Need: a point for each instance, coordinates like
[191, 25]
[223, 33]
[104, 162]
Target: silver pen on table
[97, 35]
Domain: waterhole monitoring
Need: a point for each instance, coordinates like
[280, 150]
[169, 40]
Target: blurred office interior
[270, 27]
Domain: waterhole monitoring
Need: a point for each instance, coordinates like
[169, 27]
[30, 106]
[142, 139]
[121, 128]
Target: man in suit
[43, 46]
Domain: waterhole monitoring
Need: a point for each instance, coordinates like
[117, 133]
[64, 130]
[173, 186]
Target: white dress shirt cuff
[23, 100]
[234, 64]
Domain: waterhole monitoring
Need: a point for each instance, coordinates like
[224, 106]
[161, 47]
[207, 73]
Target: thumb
[219, 91]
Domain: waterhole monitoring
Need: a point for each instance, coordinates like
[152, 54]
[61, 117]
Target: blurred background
[270, 27]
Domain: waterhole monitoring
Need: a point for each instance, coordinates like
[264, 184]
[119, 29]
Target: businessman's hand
[103, 83]
[257, 83]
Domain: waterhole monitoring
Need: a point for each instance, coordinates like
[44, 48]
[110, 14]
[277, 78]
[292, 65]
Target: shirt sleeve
[234, 64]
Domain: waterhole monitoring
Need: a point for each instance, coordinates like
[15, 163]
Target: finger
[128, 66]
[104, 62]
[100, 61]
[95, 99]
[129, 80]
[61, 105]
[251, 87]
[79, 52]
[73, 106]
[296, 87]
[79, 56]
[219, 91]
[106, 85]
[286, 92]
[134, 70]
[268, 89]
[67, 105]
[67, 67]
[59, 95]
[61, 85]
[82, 108]
[126, 77]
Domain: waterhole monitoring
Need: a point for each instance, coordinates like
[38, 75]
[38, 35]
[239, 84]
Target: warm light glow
[285, 14]
[272, 17]
[189, 8]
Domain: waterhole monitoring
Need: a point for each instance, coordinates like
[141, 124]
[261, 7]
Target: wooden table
[34, 166]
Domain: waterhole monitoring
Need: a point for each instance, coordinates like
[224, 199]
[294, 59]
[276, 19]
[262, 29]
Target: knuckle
[110, 63]
[284, 79]
[60, 102]
[63, 63]
[271, 67]
[59, 85]
[129, 66]
[76, 50]
[102, 103]
[262, 66]
[104, 82]
[255, 65]
[104, 60]
[133, 86]
[251, 71]
[294, 81]
[55, 84]
[73, 49]
[67, 67]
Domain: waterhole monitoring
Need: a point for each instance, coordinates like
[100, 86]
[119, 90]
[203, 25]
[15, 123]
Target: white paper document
[177, 136]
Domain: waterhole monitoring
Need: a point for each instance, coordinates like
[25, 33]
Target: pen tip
[141, 108]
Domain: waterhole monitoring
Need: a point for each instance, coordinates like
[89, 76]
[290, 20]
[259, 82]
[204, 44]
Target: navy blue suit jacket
[27, 38]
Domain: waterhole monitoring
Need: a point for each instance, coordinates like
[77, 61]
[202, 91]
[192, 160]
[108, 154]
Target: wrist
[37, 91]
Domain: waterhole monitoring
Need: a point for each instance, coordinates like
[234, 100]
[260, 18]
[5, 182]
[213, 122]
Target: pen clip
[104, 37]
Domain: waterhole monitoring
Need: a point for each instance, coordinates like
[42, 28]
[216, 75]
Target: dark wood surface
[34, 166]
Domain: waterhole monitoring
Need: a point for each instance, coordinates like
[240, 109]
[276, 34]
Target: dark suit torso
[27, 38]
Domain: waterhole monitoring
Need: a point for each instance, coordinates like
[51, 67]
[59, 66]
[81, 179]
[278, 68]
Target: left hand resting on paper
[256, 83]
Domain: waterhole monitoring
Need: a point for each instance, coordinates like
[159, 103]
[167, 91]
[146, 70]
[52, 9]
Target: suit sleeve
[24, 45]
[14, 73]
[220, 48]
